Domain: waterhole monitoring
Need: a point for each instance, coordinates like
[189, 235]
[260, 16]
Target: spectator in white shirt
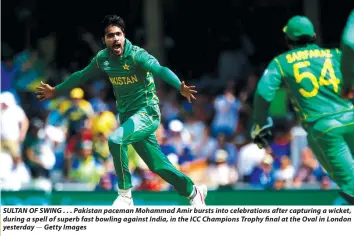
[14, 125]
[286, 171]
[250, 157]
[14, 175]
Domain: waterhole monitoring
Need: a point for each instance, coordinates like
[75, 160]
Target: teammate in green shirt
[314, 81]
[347, 68]
[131, 71]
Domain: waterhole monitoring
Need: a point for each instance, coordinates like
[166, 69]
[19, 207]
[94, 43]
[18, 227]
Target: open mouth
[117, 48]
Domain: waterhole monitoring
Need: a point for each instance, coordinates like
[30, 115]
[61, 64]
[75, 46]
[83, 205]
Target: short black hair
[301, 41]
[113, 20]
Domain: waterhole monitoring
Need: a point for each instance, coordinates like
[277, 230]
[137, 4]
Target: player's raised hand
[187, 91]
[45, 92]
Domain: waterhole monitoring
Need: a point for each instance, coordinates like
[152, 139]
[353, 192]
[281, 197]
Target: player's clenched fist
[45, 92]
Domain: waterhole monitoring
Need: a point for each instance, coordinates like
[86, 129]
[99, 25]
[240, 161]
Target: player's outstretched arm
[150, 64]
[267, 87]
[347, 59]
[46, 92]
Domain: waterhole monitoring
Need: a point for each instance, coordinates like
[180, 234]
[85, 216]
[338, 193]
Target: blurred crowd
[62, 144]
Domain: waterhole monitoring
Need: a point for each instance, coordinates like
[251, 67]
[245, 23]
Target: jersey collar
[127, 48]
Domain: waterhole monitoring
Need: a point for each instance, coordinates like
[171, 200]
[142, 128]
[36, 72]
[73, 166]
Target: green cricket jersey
[347, 46]
[313, 79]
[131, 76]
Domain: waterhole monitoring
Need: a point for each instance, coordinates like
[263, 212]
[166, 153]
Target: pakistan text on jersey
[307, 54]
[123, 80]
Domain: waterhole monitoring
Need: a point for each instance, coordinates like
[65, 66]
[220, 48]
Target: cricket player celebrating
[131, 71]
[313, 78]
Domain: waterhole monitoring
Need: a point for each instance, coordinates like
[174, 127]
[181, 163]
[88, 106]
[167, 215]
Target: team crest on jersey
[125, 66]
[106, 63]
